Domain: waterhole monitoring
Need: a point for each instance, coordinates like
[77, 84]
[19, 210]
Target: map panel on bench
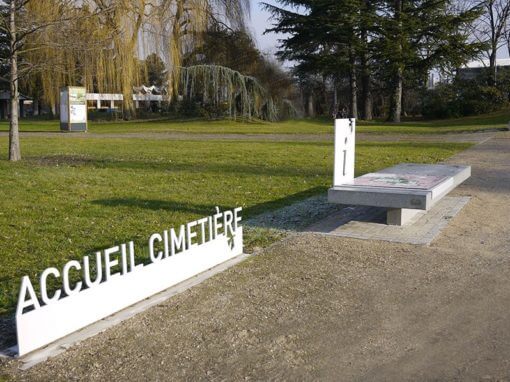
[408, 185]
[422, 182]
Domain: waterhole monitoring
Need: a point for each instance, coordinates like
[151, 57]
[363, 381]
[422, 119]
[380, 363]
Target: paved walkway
[453, 137]
[332, 308]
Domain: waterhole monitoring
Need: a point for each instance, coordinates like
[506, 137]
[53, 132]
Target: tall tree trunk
[366, 94]
[354, 87]
[14, 146]
[323, 101]
[508, 42]
[396, 97]
[35, 107]
[334, 110]
[492, 67]
[508, 47]
[366, 75]
[367, 97]
[310, 106]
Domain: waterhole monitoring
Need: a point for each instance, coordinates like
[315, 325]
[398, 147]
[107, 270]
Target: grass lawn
[305, 126]
[69, 197]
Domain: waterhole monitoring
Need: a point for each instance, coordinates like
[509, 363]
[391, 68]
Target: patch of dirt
[61, 160]
[296, 216]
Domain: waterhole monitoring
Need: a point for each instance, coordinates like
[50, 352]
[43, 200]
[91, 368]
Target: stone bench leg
[400, 216]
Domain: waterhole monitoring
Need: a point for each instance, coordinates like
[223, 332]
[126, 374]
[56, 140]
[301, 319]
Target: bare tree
[490, 29]
[14, 146]
[507, 37]
[19, 24]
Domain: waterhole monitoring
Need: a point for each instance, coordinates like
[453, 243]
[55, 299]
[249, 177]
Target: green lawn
[69, 197]
[304, 126]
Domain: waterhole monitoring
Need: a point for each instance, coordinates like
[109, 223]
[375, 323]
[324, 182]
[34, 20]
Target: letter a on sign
[32, 302]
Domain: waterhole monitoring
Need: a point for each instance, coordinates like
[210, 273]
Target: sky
[259, 22]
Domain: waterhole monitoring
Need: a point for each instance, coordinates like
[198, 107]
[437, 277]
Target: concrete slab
[370, 223]
[408, 185]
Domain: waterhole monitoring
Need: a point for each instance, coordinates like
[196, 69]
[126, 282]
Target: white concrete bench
[404, 190]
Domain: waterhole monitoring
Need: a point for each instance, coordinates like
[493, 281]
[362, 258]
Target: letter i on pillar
[345, 139]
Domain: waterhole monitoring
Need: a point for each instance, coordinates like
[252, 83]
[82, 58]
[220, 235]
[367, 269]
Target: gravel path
[323, 308]
[454, 137]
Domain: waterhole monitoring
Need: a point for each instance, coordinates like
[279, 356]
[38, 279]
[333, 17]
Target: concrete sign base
[400, 216]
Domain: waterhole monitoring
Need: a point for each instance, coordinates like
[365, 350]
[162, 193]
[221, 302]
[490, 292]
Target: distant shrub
[463, 98]
[105, 115]
[476, 100]
[441, 102]
[213, 111]
[188, 108]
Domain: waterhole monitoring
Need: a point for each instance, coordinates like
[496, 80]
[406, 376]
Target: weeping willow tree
[22, 21]
[73, 48]
[102, 51]
[98, 43]
[112, 35]
[214, 84]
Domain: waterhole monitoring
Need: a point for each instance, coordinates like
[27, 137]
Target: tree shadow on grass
[207, 209]
[214, 166]
[171, 166]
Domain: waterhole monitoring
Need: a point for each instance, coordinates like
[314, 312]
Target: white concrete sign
[111, 279]
[345, 139]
